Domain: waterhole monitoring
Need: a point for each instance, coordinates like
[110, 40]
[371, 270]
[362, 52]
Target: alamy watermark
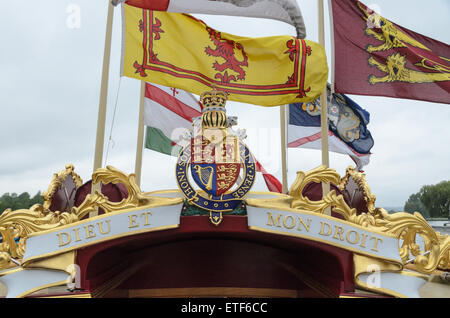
[73, 20]
[374, 279]
[73, 281]
[373, 20]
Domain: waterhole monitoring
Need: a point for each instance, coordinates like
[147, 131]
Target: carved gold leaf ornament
[16, 226]
[318, 175]
[97, 200]
[432, 253]
[405, 226]
[360, 179]
[57, 181]
[409, 227]
[5, 260]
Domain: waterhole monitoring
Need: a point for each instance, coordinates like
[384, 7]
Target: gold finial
[214, 113]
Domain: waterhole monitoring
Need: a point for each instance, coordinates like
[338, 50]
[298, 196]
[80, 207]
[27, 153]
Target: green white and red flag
[168, 115]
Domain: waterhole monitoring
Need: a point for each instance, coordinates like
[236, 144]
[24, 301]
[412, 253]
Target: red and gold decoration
[374, 56]
[216, 157]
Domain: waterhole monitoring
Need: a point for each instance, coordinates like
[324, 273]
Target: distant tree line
[432, 201]
[22, 201]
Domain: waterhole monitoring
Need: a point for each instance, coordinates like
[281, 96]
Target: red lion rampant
[225, 49]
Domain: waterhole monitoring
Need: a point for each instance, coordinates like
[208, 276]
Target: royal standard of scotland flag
[347, 131]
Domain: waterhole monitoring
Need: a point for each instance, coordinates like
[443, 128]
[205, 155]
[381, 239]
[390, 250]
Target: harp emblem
[205, 175]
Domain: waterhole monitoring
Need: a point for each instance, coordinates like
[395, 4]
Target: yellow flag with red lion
[178, 50]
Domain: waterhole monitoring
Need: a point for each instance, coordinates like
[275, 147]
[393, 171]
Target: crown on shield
[214, 112]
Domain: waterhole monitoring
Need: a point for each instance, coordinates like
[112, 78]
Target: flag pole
[140, 137]
[324, 109]
[283, 148]
[100, 138]
[332, 71]
[101, 120]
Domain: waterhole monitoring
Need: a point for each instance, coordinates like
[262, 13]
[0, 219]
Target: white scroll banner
[307, 225]
[101, 228]
[22, 282]
[325, 229]
[403, 285]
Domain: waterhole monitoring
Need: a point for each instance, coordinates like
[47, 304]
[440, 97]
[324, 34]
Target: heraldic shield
[216, 157]
[215, 161]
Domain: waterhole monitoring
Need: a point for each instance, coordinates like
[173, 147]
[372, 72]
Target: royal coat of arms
[220, 163]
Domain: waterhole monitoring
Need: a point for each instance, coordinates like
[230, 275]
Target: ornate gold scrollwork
[444, 261]
[319, 174]
[405, 226]
[16, 226]
[360, 179]
[408, 227]
[57, 181]
[327, 175]
[97, 200]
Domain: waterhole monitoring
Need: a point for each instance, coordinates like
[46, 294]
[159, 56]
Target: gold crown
[214, 113]
[213, 98]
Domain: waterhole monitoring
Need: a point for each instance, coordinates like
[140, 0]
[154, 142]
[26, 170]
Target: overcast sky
[50, 73]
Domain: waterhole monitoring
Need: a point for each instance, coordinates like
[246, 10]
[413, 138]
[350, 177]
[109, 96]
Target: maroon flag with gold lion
[374, 56]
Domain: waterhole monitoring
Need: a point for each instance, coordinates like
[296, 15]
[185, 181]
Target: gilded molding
[360, 179]
[318, 175]
[135, 196]
[97, 200]
[444, 262]
[56, 183]
[16, 226]
[405, 226]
